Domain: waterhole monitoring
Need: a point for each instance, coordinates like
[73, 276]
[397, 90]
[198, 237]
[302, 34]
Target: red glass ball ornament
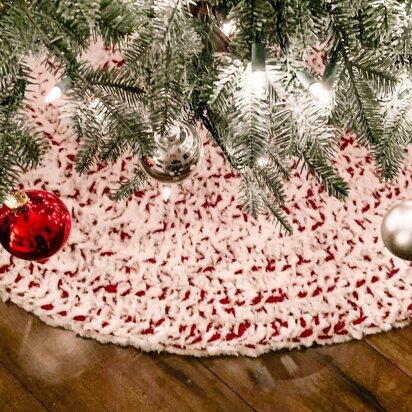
[36, 229]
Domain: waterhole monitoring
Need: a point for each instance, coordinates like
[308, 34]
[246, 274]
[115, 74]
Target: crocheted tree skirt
[197, 276]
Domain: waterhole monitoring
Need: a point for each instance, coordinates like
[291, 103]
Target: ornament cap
[17, 201]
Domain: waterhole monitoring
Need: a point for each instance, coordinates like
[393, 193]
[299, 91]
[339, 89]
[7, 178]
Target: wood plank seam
[388, 359]
[227, 385]
[24, 386]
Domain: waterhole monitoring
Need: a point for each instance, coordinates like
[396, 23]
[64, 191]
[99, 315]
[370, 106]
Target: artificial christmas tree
[250, 87]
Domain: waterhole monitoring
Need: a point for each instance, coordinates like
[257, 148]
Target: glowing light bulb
[228, 28]
[258, 82]
[319, 92]
[167, 191]
[262, 161]
[54, 94]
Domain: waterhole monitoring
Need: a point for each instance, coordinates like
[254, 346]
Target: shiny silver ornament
[176, 155]
[396, 230]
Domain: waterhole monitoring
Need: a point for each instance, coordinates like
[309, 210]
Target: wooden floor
[43, 368]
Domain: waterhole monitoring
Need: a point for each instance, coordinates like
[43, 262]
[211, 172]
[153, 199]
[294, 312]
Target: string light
[258, 78]
[319, 89]
[320, 92]
[329, 74]
[57, 91]
[54, 94]
[167, 191]
[228, 27]
[257, 81]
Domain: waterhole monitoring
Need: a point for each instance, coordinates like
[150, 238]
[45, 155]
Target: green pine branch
[278, 215]
[272, 182]
[129, 186]
[357, 105]
[249, 122]
[390, 152]
[324, 172]
[89, 132]
[229, 72]
[21, 149]
[119, 83]
[376, 70]
[118, 19]
[255, 202]
[315, 145]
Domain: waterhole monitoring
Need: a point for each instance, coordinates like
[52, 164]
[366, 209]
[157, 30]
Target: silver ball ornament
[396, 230]
[176, 155]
